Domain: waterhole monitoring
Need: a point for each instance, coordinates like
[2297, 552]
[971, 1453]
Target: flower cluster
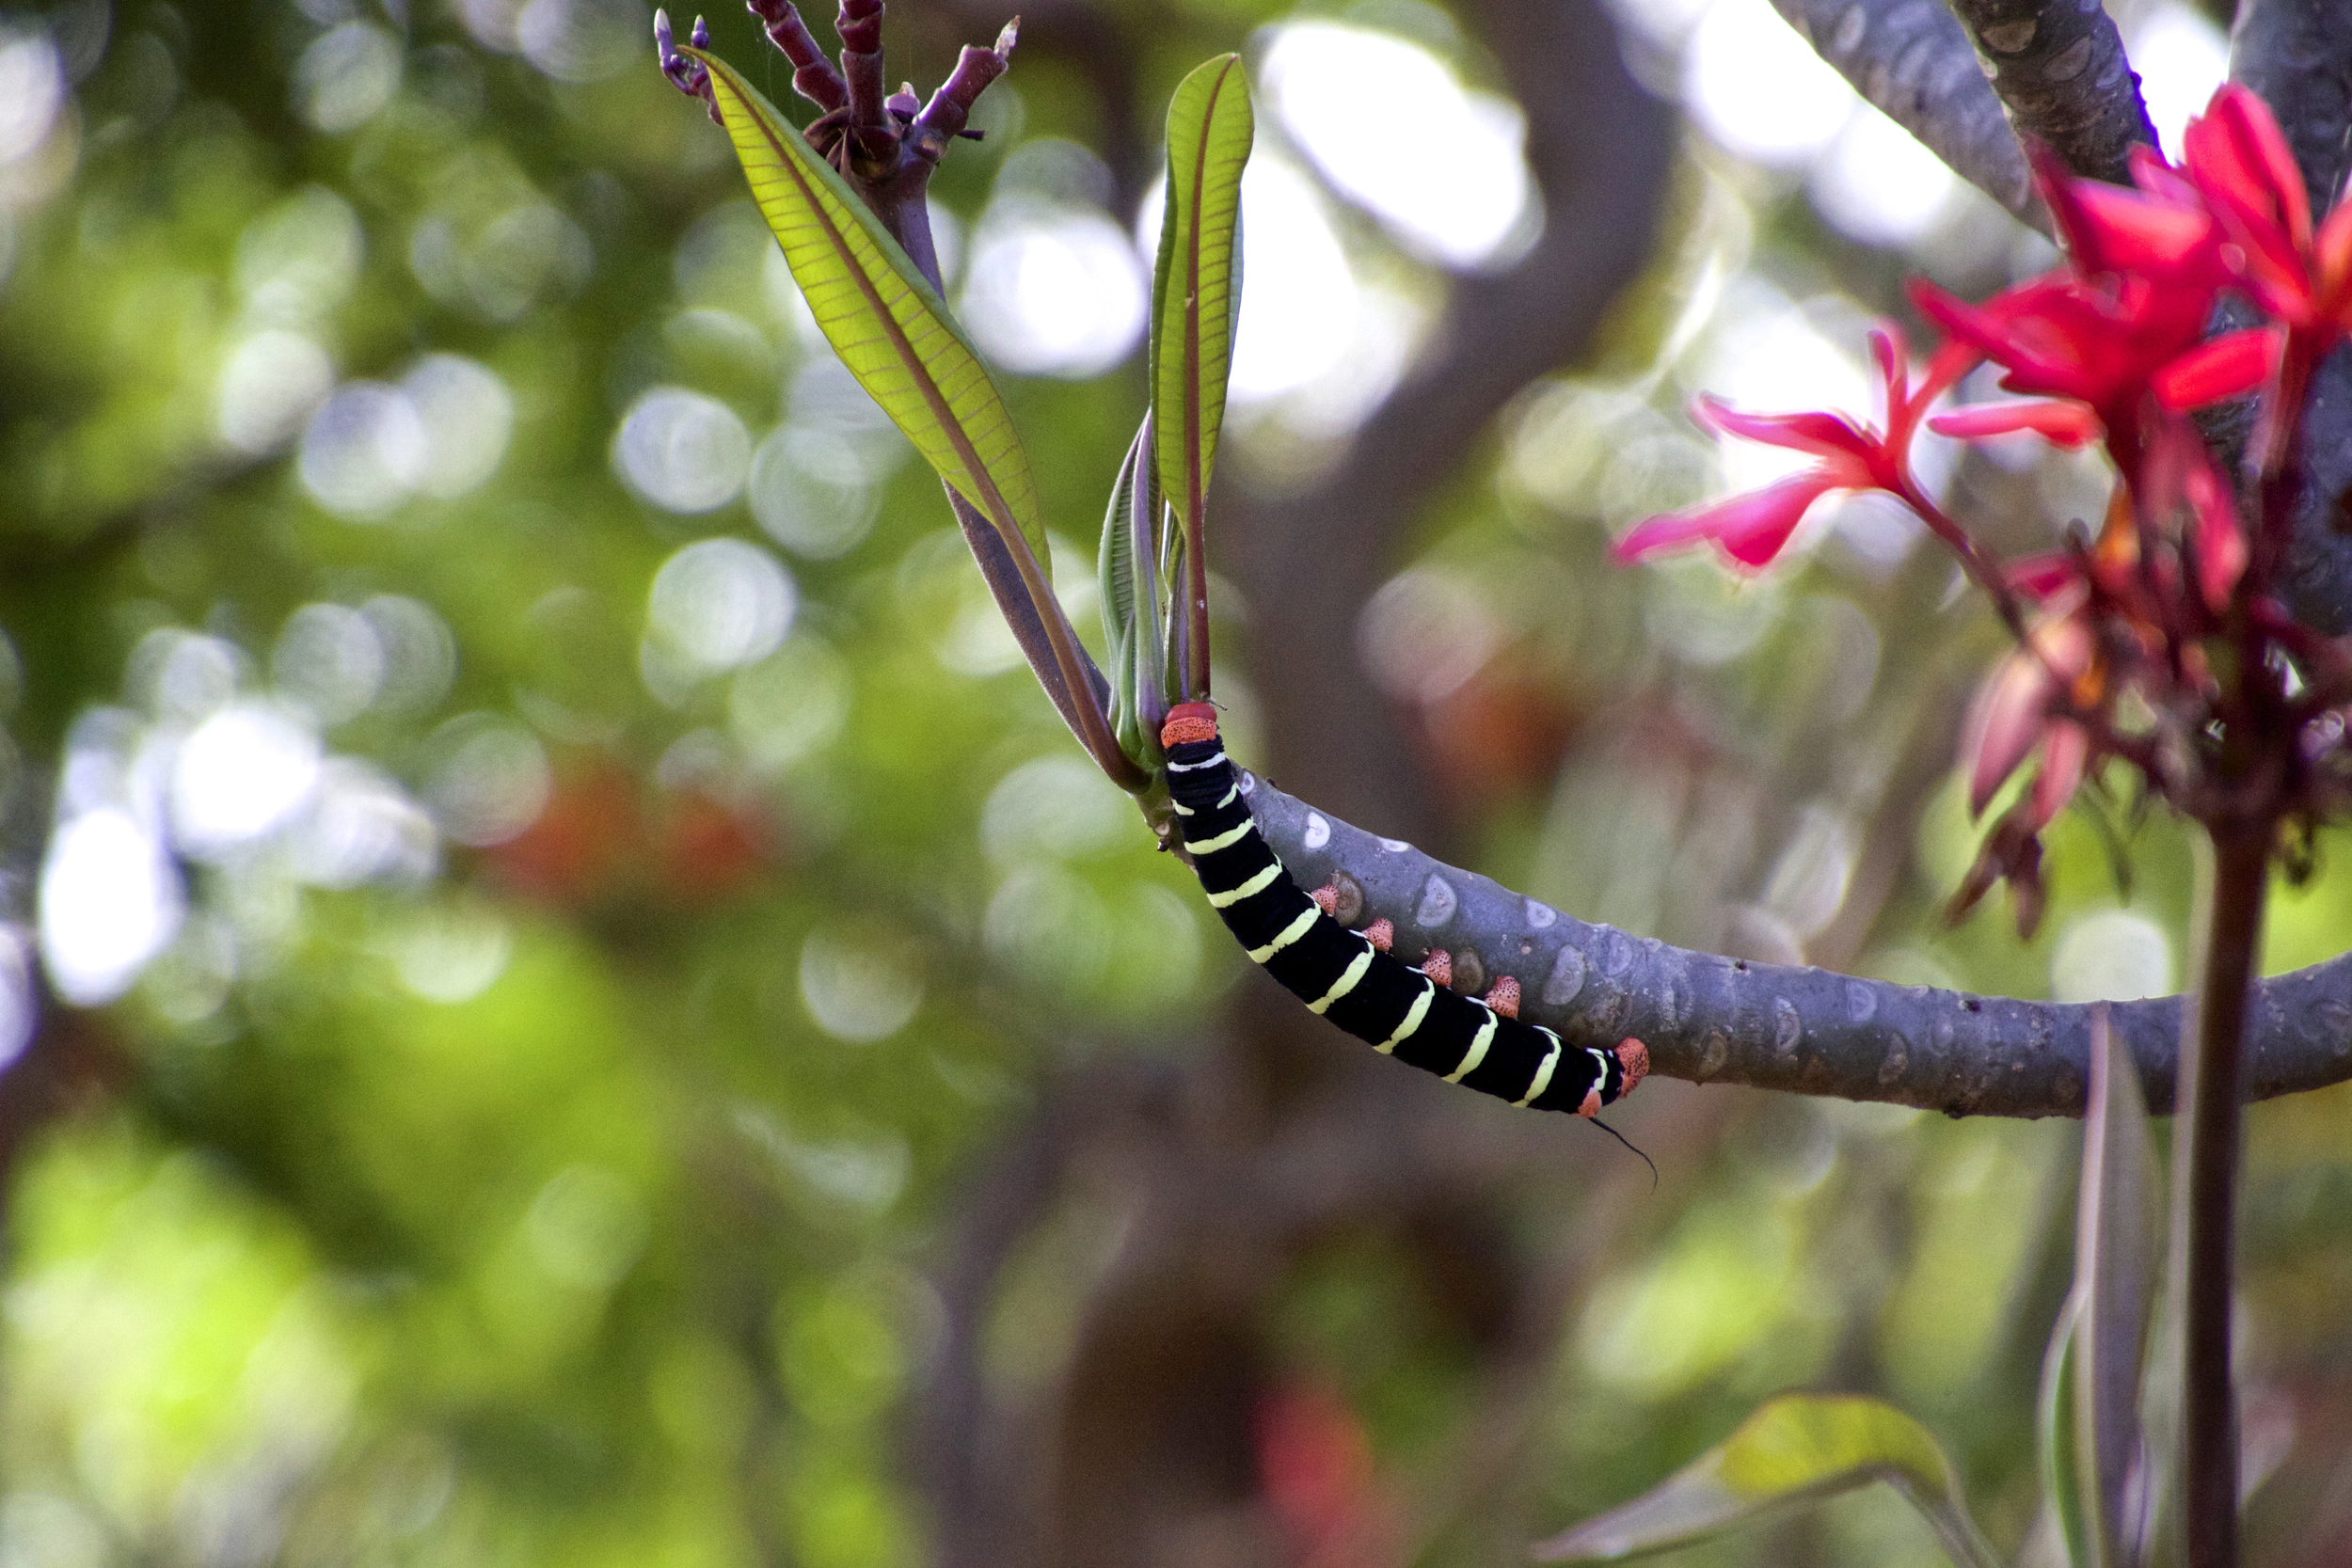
[2157, 641]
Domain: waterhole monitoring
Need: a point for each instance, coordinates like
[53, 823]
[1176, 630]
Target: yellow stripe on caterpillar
[1290, 933]
[1225, 840]
[1544, 1073]
[1258, 883]
[1346, 982]
[1477, 1052]
[1413, 1015]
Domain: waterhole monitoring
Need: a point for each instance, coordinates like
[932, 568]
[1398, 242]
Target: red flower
[2103, 346]
[2244, 172]
[2061, 425]
[1753, 529]
[2014, 713]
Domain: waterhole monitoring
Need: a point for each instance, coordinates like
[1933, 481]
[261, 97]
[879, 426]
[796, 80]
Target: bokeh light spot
[243, 772]
[855, 990]
[1759, 88]
[270, 386]
[1054, 288]
[1448, 180]
[581, 41]
[1052, 807]
[719, 604]
[806, 499]
[587, 1226]
[2181, 58]
[2112, 956]
[490, 780]
[32, 92]
[365, 450]
[346, 76]
[330, 660]
[468, 415]
[682, 451]
[110, 900]
[1880, 184]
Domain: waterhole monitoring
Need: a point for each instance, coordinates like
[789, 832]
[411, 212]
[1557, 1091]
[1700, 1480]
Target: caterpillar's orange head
[1188, 721]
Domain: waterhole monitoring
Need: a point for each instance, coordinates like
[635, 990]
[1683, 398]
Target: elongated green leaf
[1128, 565]
[2119, 1230]
[1196, 300]
[1796, 1449]
[2066, 1481]
[881, 317]
[1194, 289]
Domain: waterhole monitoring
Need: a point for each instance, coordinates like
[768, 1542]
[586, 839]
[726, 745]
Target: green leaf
[1194, 289]
[2063, 1473]
[1794, 1450]
[1128, 564]
[2119, 1230]
[882, 317]
[1196, 298]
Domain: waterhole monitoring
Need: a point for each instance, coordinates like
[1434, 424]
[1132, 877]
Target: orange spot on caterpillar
[1327, 897]
[1504, 997]
[1381, 934]
[1592, 1103]
[1438, 966]
[1188, 721]
[1634, 1057]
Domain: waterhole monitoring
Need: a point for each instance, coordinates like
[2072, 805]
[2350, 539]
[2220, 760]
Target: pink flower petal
[2005, 721]
[2331, 259]
[2236, 148]
[1822, 434]
[2220, 543]
[2065, 752]
[2230, 366]
[2044, 576]
[2129, 232]
[1891, 357]
[2065, 425]
[1750, 529]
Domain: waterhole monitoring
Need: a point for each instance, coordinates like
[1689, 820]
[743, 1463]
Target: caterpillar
[1349, 976]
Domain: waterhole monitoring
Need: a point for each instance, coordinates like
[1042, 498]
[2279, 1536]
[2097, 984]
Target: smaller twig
[871, 134]
[690, 77]
[813, 75]
[942, 118]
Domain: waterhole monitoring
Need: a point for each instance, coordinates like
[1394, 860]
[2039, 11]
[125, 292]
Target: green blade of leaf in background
[881, 317]
[1794, 1450]
[2063, 1474]
[895, 335]
[2119, 1230]
[1195, 292]
[1128, 564]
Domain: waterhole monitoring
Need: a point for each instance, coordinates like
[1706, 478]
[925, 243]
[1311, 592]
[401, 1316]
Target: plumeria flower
[1753, 529]
[2022, 704]
[2244, 170]
[2127, 317]
[2102, 347]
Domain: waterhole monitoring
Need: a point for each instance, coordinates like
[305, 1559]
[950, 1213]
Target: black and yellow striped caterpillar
[1349, 976]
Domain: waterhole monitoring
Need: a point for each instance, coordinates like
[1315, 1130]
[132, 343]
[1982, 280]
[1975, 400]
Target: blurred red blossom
[2157, 641]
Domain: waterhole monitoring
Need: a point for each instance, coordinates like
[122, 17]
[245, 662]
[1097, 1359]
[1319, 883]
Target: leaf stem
[2204, 1190]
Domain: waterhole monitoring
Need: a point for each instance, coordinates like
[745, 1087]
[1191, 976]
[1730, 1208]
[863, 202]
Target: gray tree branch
[1910, 60]
[1713, 1019]
[2059, 69]
[2297, 55]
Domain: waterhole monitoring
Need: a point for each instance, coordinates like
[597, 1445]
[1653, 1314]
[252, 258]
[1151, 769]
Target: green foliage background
[580, 1200]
